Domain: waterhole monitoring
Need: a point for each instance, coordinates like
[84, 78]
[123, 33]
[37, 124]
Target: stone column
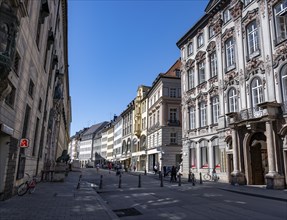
[235, 152]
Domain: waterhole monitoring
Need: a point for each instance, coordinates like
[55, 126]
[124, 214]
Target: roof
[95, 128]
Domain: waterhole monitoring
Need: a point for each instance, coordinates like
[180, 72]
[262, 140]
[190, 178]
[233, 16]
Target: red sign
[24, 142]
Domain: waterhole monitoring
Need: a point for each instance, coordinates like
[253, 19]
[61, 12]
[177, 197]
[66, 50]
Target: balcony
[251, 113]
[175, 123]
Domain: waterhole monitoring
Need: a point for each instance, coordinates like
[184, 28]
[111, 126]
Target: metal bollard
[140, 181]
[120, 181]
[161, 181]
[101, 182]
[179, 180]
[200, 178]
[193, 179]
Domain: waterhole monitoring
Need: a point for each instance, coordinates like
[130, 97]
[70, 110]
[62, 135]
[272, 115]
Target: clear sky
[115, 46]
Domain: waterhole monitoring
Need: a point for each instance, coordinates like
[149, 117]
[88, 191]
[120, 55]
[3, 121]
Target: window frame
[226, 16]
[229, 50]
[191, 78]
[191, 117]
[201, 72]
[213, 64]
[257, 95]
[232, 100]
[281, 14]
[200, 40]
[190, 49]
[203, 114]
[252, 39]
[215, 109]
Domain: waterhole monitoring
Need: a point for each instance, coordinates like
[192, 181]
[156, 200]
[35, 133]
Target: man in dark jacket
[173, 174]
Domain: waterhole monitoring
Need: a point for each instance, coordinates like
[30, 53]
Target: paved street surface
[149, 201]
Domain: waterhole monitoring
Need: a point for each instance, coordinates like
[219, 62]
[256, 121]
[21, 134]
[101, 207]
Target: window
[201, 72]
[10, 98]
[232, 100]
[226, 16]
[229, 53]
[189, 49]
[173, 138]
[216, 153]
[192, 118]
[190, 73]
[211, 31]
[158, 116]
[204, 154]
[172, 93]
[213, 64]
[31, 88]
[200, 40]
[284, 85]
[252, 38]
[257, 93]
[215, 109]
[173, 114]
[280, 12]
[193, 155]
[202, 114]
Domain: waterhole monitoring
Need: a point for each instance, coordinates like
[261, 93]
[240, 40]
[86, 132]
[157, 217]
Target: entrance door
[256, 165]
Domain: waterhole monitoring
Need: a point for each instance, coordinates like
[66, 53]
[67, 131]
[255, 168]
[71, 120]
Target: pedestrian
[110, 167]
[155, 169]
[173, 174]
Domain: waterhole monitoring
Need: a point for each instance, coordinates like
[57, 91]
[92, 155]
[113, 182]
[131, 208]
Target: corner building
[234, 92]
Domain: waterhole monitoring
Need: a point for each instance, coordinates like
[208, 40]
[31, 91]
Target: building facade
[118, 133]
[34, 88]
[164, 119]
[234, 92]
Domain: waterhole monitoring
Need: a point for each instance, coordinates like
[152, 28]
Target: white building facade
[234, 92]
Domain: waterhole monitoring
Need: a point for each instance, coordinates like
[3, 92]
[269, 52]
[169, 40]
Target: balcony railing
[251, 113]
[173, 122]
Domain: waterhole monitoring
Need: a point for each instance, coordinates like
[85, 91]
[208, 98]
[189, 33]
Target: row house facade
[234, 92]
[118, 133]
[164, 120]
[34, 88]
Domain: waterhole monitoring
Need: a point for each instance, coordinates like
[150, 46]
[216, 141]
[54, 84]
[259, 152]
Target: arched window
[232, 100]
[256, 93]
[284, 84]
[189, 49]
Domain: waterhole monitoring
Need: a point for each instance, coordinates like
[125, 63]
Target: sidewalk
[251, 190]
[58, 200]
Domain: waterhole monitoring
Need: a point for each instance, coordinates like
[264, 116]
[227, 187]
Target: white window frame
[215, 109]
[190, 49]
[190, 75]
[192, 113]
[211, 31]
[173, 114]
[232, 100]
[201, 72]
[229, 53]
[173, 138]
[256, 93]
[284, 85]
[252, 38]
[213, 64]
[203, 119]
[226, 16]
[280, 20]
[200, 40]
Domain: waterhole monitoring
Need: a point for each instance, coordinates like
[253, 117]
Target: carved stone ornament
[217, 23]
[191, 91]
[230, 79]
[280, 54]
[227, 34]
[213, 80]
[191, 102]
[213, 91]
[202, 97]
[271, 3]
[262, 8]
[236, 9]
[201, 86]
[200, 56]
[189, 63]
[253, 64]
[211, 47]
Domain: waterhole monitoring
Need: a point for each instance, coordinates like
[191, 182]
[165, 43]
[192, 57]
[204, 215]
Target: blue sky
[115, 46]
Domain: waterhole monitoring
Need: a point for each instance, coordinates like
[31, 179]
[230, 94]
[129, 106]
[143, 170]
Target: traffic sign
[24, 142]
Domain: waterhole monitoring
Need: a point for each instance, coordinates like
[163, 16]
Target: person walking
[155, 169]
[173, 174]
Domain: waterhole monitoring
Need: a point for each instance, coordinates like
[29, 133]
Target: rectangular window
[280, 11]
[157, 116]
[202, 114]
[201, 72]
[189, 49]
[211, 31]
[173, 114]
[193, 157]
[216, 154]
[173, 138]
[213, 64]
[200, 40]
[215, 109]
[190, 73]
[172, 93]
[191, 118]
[229, 53]
[226, 16]
[252, 38]
[204, 157]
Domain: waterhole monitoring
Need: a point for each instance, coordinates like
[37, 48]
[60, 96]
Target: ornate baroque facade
[234, 89]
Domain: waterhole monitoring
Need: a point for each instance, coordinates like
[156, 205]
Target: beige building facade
[34, 88]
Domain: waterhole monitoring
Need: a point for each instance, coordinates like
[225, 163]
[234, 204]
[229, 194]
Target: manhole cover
[127, 212]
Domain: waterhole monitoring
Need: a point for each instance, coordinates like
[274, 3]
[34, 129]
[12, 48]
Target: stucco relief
[213, 91]
[189, 63]
[236, 9]
[211, 47]
[200, 56]
[202, 97]
[201, 87]
[212, 80]
[280, 54]
[253, 66]
[250, 16]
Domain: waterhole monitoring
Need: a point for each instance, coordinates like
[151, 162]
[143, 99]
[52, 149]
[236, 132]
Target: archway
[258, 159]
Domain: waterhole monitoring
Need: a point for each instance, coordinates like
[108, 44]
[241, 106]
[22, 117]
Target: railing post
[179, 180]
[200, 178]
[139, 181]
[101, 182]
[193, 180]
[161, 180]
[120, 180]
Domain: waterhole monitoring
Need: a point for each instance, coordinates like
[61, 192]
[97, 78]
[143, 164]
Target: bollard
[161, 181]
[179, 180]
[120, 180]
[200, 178]
[140, 181]
[101, 182]
[193, 180]
[189, 177]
